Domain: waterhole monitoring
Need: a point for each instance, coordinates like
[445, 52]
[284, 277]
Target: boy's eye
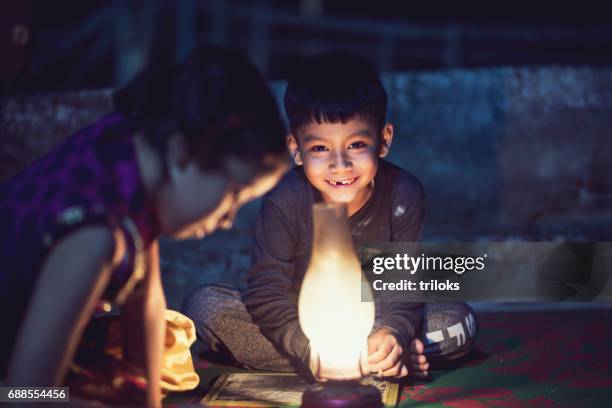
[357, 145]
[318, 148]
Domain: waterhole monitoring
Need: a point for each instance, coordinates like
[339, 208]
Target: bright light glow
[332, 315]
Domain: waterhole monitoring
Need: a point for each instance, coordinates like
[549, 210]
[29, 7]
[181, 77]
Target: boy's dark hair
[216, 99]
[335, 87]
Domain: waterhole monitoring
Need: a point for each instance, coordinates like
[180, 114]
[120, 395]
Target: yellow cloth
[177, 372]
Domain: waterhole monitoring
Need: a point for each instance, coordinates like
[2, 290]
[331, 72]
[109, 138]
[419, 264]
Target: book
[265, 389]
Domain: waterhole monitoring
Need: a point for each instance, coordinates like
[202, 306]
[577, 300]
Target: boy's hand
[419, 367]
[385, 354]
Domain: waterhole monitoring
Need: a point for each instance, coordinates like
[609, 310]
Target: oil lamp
[333, 316]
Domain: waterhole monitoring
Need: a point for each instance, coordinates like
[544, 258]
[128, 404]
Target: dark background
[71, 44]
[503, 110]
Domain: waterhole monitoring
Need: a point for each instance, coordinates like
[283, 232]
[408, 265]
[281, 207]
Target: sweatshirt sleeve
[269, 280]
[407, 213]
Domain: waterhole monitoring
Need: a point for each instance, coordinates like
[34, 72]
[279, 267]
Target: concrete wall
[505, 153]
[509, 151]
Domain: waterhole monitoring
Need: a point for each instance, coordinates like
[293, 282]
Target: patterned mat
[521, 359]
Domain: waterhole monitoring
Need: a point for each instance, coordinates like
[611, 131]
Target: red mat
[521, 359]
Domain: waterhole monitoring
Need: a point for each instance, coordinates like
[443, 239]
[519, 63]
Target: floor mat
[521, 359]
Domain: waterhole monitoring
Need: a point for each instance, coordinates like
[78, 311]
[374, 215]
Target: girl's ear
[294, 149]
[386, 137]
[177, 156]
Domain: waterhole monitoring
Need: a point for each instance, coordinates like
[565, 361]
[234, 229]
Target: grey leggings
[225, 326]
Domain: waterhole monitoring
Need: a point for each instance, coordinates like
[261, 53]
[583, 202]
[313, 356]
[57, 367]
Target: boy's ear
[386, 137]
[294, 149]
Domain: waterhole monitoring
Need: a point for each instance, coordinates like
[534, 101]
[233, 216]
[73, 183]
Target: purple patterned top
[92, 178]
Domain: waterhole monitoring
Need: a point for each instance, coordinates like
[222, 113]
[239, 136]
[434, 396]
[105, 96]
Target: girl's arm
[73, 277]
[144, 327]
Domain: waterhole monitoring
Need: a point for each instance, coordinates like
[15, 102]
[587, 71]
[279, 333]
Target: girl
[188, 145]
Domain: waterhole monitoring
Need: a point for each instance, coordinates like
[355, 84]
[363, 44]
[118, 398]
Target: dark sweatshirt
[283, 243]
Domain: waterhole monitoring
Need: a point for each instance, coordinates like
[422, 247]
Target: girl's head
[215, 127]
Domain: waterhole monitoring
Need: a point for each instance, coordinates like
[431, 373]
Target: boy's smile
[342, 183]
[340, 159]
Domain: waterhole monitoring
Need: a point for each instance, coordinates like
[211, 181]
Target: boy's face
[341, 159]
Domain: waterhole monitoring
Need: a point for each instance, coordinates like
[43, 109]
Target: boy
[336, 106]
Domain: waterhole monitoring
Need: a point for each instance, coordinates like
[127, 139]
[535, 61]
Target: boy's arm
[405, 317]
[269, 281]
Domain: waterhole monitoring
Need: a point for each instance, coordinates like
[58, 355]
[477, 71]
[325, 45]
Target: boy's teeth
[343, 182]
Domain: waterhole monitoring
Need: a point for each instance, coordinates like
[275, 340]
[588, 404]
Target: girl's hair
[216, 99]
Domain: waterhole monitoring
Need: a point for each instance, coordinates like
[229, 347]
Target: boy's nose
[340, 161]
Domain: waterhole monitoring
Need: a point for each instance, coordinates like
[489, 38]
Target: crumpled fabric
[99, 371]
[177, 372]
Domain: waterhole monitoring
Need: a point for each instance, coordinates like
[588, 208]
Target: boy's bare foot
[418, 365]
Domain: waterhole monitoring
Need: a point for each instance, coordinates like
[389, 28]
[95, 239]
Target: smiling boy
[340, 160]
[336, 106]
